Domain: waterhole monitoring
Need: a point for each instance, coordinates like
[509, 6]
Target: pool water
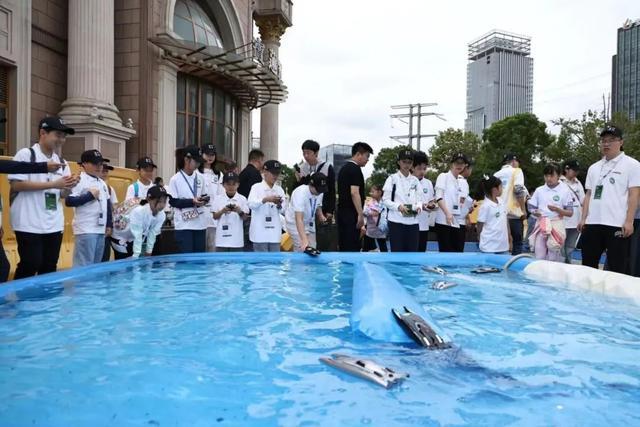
[219, 343]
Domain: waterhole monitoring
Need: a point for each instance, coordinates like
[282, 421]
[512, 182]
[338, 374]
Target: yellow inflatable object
[286, 243]
[119, 179]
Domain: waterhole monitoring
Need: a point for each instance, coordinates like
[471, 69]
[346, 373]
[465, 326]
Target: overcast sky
[346, 62]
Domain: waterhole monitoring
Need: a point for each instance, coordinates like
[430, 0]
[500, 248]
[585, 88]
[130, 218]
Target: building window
[206, 115]
[191, 23]
[4, 110]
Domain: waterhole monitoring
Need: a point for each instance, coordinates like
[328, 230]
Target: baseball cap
[92, 156]
[145, 162]
[55, 123]
[611, 130]
[193, 152]
[406, 154]
[157, 191]
[209, 149]
[572, 164]
[230, 177]
[272, 166]
[319, 181]
[510, 157]
[460, 156]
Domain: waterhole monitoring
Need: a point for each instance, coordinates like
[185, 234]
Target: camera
[205, 198]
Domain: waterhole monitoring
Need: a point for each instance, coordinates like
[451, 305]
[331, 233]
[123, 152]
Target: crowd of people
[226, 211]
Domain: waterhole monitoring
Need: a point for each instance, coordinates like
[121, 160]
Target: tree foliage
[385, 164]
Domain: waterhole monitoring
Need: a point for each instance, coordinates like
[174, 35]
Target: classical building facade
[142, 77]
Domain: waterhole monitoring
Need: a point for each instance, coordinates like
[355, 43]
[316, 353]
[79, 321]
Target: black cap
[510, 157]
[209, 149]
[405, 154]
[55, 123]
[572, 164]
[272, 166]
[157, 191]
[92, 156]
[193, 152]
[319, 181]
[230, 177]
[611, 130]
[145, 162]
[460, 156]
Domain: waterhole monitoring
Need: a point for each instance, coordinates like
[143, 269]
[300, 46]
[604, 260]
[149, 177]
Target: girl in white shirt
[266, 201]
[493, 225]
[570, 178]
[550, 203]
[420, 164]
[451, 199]
[213, 183]
[188, 198]
[146, 221]
[402, 195]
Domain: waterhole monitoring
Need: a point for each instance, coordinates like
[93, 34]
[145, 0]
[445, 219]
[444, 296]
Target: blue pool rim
[429, 258]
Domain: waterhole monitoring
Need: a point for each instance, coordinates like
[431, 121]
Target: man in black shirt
[351, 198]
[251, 174]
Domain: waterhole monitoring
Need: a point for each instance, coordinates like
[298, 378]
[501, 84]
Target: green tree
[522, 134]
[287, 179]
[385, 164]
[448, 143]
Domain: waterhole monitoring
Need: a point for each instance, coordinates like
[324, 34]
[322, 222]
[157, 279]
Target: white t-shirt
[428, 194]
[144, 224]
[113, 195]
[303, 201]
[142, 190]
[408, 192]
[616, 176]
[213, 187]
[495, 230]
[449, 189]
[265, 224]
[183, 186]
[504, 175]
[468, 201]
[39, 211]
[559, 196]
[577, 191]
[230, 230]
[90, 218]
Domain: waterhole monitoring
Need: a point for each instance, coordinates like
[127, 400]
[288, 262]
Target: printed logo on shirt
[497, 214]
[556, 198]
[612, 180]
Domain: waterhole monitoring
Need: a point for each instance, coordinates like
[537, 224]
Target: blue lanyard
[194, 190]
[313, 204]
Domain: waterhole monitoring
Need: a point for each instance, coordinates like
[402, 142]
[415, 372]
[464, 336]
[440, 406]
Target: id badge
[50, 201]
[101, 219]
[597, 194]
[225, 231]
[267, 219]
[225, 228]
[456, 209]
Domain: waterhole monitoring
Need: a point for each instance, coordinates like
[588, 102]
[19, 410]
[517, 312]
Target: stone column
[89, 106]
[167, 111]
[271, 30]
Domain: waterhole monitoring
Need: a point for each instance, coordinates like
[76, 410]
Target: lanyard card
[50, 201]
[597, 194]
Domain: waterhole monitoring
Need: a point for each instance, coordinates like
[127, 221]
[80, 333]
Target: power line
[415, 114]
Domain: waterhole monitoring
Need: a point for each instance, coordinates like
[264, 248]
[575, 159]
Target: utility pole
[415, 112]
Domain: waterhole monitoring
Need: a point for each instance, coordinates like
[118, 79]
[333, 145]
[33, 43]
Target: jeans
[38, 253]
[266, 247]
[191, 241]
[88, 249]
[570, 244]
[516, 229]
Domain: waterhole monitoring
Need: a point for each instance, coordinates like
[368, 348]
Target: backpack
[382, 223]
[13, 194]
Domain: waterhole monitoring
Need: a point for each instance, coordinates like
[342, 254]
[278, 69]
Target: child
[230, 210]
[450, 198]
[420, 163]
[266, 200]
[92, 215]
[549, 204]
[305, 207]
[188, 197]
[139, 188]
[404, 198]
[146, 221]
[113, 198]
[570, 178]
[376, 224]
[493, 225]
[213, 182]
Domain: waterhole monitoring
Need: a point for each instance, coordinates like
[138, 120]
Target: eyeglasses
[605, 141]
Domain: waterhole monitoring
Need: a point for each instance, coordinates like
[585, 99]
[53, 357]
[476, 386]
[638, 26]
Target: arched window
[191, 23]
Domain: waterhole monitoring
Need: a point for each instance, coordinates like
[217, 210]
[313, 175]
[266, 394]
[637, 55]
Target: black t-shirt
[350, 174]
[249, 176]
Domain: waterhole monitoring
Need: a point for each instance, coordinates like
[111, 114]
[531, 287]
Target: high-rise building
[625, 82]
[499, 79]
[336, 154]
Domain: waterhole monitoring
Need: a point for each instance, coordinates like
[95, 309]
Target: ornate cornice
[271, 27]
